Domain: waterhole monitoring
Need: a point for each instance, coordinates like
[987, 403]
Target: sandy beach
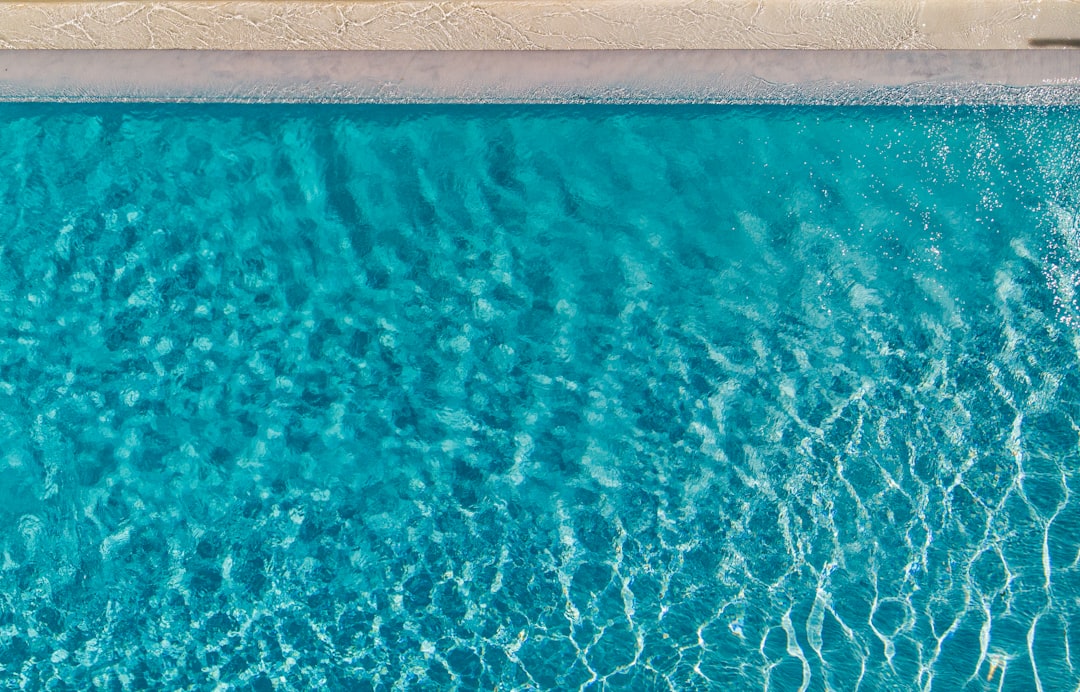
[540, 24]
[722, 51]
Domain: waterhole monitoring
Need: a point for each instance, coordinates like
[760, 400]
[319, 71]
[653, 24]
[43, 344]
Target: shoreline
[831, 52]
[1004, 77]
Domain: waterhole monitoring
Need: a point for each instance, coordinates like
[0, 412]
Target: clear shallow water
[539, 398]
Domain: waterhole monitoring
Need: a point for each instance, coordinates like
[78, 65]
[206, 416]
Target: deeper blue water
[539, 398]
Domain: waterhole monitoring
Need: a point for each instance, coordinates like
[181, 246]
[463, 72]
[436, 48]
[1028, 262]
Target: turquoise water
[536, 398]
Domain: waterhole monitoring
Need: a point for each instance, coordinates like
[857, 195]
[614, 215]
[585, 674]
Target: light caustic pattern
[692, 398]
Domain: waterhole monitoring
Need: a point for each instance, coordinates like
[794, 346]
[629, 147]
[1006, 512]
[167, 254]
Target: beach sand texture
[542, 24]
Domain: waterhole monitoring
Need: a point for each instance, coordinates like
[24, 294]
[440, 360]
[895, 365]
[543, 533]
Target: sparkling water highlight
[644, 398]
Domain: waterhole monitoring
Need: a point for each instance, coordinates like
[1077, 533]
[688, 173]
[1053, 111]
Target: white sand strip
[540, 24]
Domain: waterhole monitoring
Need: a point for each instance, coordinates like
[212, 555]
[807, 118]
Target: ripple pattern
[539, 398]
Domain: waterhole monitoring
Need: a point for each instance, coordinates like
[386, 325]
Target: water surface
[533, 398]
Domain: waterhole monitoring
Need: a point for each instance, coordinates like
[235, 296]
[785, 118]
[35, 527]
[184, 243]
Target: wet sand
[738, 76]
